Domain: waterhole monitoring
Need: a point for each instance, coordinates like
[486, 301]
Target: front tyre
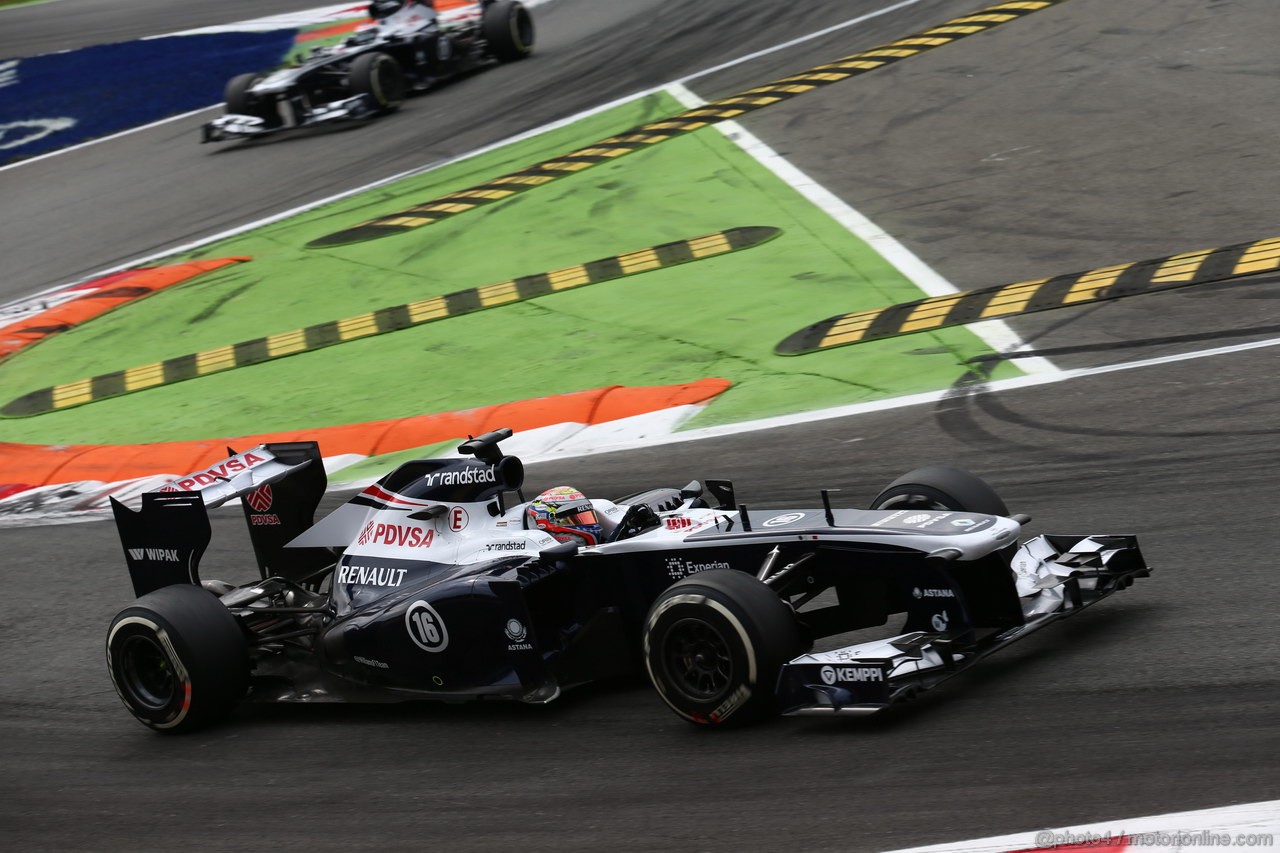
[508, 30]
[941, 487]
[241, 101]
[714, 644]
[379, 76]
[178, 659]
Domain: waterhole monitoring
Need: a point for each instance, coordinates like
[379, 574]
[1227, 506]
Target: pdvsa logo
[399, 535]
[220, 472]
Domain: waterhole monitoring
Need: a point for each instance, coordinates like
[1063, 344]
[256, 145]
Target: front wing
[236, 126]
[1072, 572]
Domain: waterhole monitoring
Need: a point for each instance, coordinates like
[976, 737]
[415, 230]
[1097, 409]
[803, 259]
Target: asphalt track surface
[1095, 132]
[70, 24]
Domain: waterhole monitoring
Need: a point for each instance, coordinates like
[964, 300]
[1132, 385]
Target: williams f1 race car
[408, 48]
[433, 584]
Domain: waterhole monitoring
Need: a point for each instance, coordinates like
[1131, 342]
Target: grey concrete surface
[1091, 133]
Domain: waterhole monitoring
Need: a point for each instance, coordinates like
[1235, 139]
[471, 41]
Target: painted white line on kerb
[998, 335]
[1245, 827]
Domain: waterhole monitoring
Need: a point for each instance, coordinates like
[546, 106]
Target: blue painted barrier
[60, 99]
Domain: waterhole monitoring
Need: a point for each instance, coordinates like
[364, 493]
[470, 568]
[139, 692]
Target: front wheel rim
[697, 660]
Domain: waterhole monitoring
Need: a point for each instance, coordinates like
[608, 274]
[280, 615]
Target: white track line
[286, 20]
[1253, 826]
[860, 19]
[996, 333]
[645, 439]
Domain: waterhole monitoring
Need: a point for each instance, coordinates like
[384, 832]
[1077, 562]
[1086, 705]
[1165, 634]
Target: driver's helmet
[566, 514]
[382, 9]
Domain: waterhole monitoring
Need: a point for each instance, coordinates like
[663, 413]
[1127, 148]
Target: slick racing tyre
[240, 102]
[507, 30]
[714, 644]
[941, 487]
[178, 659]
[379, 76]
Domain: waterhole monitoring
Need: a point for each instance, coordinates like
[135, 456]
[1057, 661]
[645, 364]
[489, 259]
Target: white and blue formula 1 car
[434, 584]
[408, 48]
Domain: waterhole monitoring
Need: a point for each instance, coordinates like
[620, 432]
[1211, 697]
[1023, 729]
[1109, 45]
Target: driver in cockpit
[566, 514]
[416, 20]
[403, 11]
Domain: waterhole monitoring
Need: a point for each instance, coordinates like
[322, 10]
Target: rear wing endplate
[281, 485]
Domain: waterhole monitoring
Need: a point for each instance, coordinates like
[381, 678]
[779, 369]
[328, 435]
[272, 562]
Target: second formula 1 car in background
[407, 48]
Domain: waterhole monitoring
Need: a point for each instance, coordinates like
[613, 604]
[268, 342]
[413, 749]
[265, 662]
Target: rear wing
[281, 485]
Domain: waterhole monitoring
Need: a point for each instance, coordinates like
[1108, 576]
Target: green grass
[718, 317]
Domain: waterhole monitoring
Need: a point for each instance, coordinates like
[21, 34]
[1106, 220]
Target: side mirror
[723, 492]
[693, 490]
[429, 513]
[561, 552]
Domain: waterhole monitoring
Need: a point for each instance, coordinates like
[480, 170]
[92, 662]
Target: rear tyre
[178, 659]
[714, 644]
[508, 30]
[379, 76]
[941, 487]
[240, 101]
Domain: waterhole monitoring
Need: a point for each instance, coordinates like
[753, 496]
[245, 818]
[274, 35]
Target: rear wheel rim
[522, 30]
[697, 660]
[147, 673]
